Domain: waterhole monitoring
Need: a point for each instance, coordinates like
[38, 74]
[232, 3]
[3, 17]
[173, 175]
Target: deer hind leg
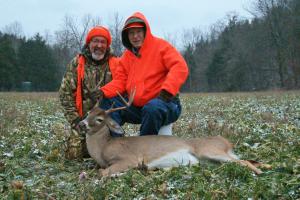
[220, 155]
[116, 169]
[249, 165]
[231, 157]
[246, 163]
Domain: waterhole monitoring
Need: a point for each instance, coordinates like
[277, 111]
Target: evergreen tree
[8, 64]
[39, 64]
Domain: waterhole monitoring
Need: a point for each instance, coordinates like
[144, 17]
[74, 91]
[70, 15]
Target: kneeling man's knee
[153, 107]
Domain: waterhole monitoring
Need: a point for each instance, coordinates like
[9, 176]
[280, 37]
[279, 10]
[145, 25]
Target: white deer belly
[174, 159]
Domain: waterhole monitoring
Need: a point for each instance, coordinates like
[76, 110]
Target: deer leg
[245, 163]
[221, 156]
[249, 165]
[116, 168]
[232, 157]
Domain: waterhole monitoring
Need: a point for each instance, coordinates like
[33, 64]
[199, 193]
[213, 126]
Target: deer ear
[114, 126]
[96, 105]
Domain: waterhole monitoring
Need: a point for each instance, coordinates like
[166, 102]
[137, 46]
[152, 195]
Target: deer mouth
[83, 126]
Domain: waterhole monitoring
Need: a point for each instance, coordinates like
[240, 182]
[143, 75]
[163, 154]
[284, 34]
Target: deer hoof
[103, 173]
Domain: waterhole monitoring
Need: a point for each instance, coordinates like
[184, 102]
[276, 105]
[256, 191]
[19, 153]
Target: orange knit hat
[98, 31]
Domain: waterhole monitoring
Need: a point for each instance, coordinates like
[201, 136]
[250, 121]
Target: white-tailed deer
[118, 154]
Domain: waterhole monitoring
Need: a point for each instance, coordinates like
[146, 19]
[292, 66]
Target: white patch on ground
[174, 159]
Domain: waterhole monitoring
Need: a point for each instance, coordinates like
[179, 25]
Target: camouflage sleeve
[66, 92]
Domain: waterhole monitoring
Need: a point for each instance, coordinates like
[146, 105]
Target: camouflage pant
[75, 145]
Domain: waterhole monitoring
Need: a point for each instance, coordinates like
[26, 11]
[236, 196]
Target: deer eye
[99, 119]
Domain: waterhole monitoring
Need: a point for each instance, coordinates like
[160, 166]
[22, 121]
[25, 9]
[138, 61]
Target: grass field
[263, 126]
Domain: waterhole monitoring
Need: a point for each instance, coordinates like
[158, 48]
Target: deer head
[98, 118]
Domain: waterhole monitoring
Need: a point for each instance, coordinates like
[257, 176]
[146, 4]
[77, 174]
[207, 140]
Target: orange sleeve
[113, 65]
[178, 69]
[118, 82]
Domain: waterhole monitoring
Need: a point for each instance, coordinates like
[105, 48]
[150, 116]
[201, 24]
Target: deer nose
[82, 126]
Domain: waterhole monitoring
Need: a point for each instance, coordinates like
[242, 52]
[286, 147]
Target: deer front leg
[116, 168]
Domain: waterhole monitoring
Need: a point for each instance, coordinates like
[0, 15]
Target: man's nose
[98, 45]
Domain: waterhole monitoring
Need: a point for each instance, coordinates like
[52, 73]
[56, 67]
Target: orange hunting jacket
[159, 66]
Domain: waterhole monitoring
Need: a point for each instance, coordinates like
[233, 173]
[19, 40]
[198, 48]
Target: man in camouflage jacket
[78, 93]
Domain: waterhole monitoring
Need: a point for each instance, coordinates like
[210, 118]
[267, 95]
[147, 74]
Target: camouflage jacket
[93, 74]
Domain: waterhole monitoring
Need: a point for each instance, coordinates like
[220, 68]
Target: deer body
[118, 154]
[156, 153]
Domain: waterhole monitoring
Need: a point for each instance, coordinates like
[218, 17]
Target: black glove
[96, 95]
[165, 96]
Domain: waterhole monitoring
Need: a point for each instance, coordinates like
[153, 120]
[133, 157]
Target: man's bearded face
[98, 47]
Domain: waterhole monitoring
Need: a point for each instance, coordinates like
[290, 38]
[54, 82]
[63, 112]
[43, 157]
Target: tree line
[245, 55]
[28, 60]
[237, 54]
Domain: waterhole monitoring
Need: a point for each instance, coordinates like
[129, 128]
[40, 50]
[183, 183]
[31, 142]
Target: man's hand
[96, 95]
[165, 96]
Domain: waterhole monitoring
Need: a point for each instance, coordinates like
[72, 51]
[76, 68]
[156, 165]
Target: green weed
[263, 126]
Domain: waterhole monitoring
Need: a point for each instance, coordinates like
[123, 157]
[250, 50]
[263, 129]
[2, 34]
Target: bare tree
[15, 29]
[216, 29]
[48, 37]
[69, 39]
[72, 33]
[173, 39]
[190, 41]
[116, 29]
[191, 37]
[274, 11]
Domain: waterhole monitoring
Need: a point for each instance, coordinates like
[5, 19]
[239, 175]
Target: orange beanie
[98, 31]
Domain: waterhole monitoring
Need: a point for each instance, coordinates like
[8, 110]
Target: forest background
[236, 54]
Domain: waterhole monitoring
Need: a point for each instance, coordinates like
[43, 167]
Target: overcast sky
[165, 16]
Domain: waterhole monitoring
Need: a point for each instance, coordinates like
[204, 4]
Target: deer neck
[96, 142]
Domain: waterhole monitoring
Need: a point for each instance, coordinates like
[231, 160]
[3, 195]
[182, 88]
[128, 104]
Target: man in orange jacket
[155, 69]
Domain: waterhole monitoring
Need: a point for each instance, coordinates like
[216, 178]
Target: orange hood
[136, 17]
